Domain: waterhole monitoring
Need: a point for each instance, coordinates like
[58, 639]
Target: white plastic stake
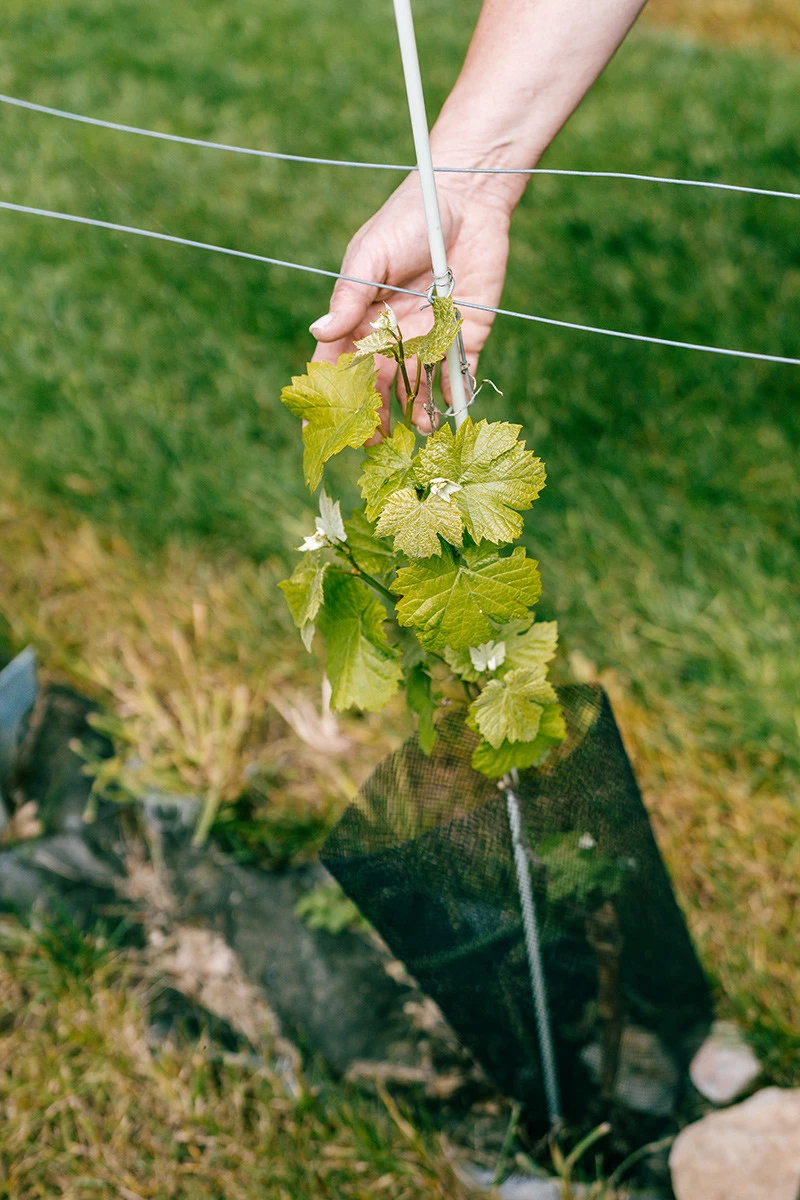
[442, 278]
[459, 387]
[534, 949]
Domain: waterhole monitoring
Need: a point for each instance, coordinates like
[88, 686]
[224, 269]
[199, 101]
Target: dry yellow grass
[87, 1108]
[188, 656]
[766, 23]
[733, 850]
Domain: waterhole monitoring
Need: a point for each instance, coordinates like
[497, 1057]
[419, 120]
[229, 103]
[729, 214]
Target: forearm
[529, 65]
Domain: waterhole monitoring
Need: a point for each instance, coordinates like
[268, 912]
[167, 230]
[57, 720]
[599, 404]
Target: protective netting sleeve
[425, 852]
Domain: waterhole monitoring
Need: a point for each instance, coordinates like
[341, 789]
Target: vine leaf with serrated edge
[363, 669]
[496, 762]
[370, 553]
[415, 524]
[304, 593]
[497, 477]
[341, 406]
[388, 467]
[510, 709]
[432, 346]
[453, 601]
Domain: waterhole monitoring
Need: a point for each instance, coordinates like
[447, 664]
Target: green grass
[139, 383]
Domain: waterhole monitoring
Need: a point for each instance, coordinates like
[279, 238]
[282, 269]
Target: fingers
[350, 302]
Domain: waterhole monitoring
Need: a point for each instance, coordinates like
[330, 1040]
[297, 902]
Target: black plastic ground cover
[425, 852]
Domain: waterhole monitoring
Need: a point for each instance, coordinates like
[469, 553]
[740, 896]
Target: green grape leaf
[387, 467]
[415, 523]
[577, 872]
[304, 593]
[433, 345]
[534, 648]
[497, 477]
[453, 601]
[498, 761]
[363, 669]
[340, 405]
[510, 709]
[372, 554]
[421, 702]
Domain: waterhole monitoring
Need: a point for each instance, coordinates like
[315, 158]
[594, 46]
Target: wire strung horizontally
[377, 166]
[387, 287]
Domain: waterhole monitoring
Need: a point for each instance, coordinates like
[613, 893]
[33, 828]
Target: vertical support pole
[461, 388]
[533, 947]
[442, 279]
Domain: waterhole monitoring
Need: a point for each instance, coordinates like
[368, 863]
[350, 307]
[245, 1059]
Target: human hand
[392, 248]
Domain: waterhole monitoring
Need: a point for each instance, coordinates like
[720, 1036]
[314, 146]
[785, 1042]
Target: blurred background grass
[150, 484]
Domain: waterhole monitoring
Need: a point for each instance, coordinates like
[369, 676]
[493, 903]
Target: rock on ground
[724, 1066]
[748, 1152]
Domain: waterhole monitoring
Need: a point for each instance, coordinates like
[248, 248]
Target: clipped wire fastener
[465, 371]
[433, 289]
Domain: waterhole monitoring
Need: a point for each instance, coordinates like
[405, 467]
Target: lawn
[149, 476]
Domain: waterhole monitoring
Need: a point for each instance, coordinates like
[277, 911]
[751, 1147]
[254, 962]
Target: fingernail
[322, 323]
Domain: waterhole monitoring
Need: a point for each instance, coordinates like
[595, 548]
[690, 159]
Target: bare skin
[529, 65]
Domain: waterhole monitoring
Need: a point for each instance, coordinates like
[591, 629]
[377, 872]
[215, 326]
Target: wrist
[489, 138]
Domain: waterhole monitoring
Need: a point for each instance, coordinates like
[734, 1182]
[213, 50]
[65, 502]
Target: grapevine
[418, 589]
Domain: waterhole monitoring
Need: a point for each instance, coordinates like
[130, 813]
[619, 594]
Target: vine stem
[370, 579]
[411, 394]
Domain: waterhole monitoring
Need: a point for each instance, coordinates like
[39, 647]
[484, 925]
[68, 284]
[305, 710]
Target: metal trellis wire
[278, 155]
[380, 286]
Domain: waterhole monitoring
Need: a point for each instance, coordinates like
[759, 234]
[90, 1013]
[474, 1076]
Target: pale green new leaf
[415, 523]
[379, 342]
[510, 709]
[433, 345]
[304, 593]
[385, 339]
[363, 669]
[496, 762]
[372, 554]
[452, 601]
[387, 468]
[498, 477]
[534, 648]
[340, 405]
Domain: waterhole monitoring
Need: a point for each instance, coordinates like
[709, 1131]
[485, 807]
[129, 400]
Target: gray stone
[21, 885]
[53, 775]
[748, 1152]
[647, 1078]
[69, 857]
[516, 1187]
[724, 1066]
[331, 992]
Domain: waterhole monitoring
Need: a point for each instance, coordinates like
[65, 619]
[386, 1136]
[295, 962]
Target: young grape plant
[418, 589]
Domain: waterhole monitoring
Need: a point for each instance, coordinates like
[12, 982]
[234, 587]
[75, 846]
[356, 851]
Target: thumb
[350, 302]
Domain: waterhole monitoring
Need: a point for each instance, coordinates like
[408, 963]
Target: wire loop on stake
[442, 289]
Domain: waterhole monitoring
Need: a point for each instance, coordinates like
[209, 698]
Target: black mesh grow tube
[425, 852]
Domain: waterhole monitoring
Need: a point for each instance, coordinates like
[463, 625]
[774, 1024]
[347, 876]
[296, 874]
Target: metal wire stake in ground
[533, 946]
